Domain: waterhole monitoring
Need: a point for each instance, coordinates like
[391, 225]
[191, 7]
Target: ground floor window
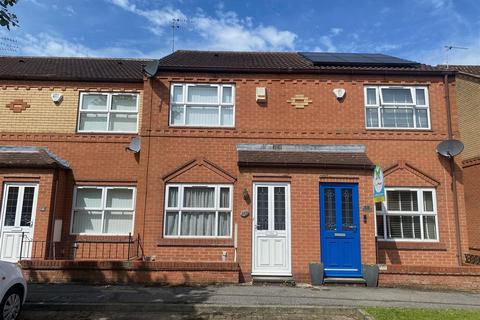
[408, 214]
[198, 210]
[103, 210]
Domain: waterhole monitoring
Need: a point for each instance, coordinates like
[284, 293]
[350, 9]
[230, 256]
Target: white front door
[18, 216]
[271, 229]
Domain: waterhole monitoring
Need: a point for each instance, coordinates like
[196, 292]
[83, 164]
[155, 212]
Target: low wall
[465, 278]
[191, 273]
[171, 273]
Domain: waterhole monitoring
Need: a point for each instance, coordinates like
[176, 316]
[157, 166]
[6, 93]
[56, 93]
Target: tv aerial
[175, 24]
[450, 148]
[450, 48]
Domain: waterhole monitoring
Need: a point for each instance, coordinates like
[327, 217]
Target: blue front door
[340, 230]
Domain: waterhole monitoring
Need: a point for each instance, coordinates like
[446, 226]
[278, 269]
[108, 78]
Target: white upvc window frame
[186, 104]
[180, 208]
[420, 213]
[103, 208]
[108, 111]
[380, 106]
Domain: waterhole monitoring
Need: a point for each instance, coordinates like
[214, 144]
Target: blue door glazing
[340, 230]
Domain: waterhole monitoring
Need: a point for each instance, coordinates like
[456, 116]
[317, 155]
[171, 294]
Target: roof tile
[473, 70]
[30, 157]
[185, 60]
[72, 69]
[304, 159]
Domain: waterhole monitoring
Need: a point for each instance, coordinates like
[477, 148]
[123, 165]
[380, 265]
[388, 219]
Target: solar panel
[356, 59]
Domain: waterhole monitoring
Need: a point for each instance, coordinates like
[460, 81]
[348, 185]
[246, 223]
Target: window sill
[182, 242]
[399, 129]
[199, 127]
[107, 133]
[417, 245]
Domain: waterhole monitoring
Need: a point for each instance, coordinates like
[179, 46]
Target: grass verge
[422, 314]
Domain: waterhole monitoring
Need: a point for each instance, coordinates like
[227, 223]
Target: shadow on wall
[458, 170]
[390, 255]
[104, 272]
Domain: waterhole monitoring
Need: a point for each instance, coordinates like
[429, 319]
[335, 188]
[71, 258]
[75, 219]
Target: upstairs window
[397, 107]
[108, 112]
[202, 105]
[407, 215]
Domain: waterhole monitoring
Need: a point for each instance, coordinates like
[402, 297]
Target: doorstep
[345, 281]
[283, 280]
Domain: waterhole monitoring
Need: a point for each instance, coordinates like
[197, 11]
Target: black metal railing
[472, 259]
[118, 249]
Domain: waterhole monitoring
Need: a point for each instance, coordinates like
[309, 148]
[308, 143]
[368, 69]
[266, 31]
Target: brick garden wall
[180, 273]
[451, 278]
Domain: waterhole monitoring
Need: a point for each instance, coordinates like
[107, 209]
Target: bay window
[198, 211]
[103, 210]
[202, 105]
[397, 107]
[407, 214]
[108, 112]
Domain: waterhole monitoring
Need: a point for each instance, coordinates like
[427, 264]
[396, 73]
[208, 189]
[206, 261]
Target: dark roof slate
[322, 156]
[72, 69]
[30, 157]
[473, 70]
[236, 61]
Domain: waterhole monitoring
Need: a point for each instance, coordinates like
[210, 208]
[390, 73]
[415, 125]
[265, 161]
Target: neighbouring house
[468, 102]
[230, 166]
[65, 123]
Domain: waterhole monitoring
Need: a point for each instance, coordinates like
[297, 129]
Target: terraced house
[231, 167]
[65, 123]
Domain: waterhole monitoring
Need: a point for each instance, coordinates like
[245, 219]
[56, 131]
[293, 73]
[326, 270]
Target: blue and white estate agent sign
[378, 185]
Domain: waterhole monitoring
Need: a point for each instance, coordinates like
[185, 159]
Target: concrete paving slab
[89, 315]
[138, 296]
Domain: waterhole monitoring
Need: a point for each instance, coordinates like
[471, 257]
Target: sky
[417, 30]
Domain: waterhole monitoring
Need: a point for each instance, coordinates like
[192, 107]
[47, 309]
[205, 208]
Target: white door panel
[271, 229]
[9, 245]
[17, 218]
[279, 252]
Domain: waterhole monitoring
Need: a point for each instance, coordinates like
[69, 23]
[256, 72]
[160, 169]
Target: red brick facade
[208, 155]
[325, 120]
[94, 159]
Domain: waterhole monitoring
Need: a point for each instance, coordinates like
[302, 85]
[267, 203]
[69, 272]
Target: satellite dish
[134, 145]
[450, 148]
[151, 68]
